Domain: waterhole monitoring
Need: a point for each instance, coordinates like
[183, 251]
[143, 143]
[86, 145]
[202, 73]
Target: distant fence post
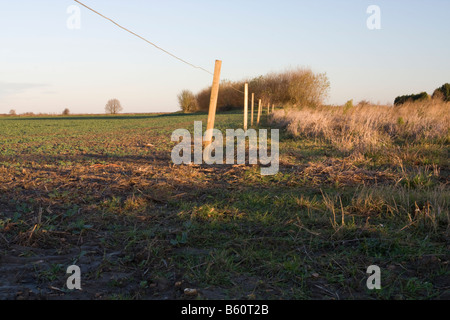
[213, 102]
[246, 107]
[259, 111]
[253, 105]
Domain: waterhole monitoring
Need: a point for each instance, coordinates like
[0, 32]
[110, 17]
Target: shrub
[188, 101]
[296, 88]
[230, 96]
[66, 112]
[423, 96]
[305, 89]
[348, 106]
[442, 93]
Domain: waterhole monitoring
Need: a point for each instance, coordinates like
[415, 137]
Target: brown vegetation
[297, 87]
[364, 128]
[187, 101]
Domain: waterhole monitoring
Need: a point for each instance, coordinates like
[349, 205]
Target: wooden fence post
[253, 105]
[259, 112]
[246, 107]
[213, 102]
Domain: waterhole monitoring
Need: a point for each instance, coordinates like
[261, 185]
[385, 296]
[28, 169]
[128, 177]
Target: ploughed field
[102, 193]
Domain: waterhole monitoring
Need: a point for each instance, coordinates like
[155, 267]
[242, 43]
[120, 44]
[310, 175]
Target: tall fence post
[268, 109]
[273, 108]
[259, 111]
[213, 102]
[246, 107]
[253, 105]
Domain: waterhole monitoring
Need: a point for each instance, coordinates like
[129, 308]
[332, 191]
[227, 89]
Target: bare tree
[187, 101]
[113, 106]
[12, 112]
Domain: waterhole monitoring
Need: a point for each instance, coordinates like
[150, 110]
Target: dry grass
[400, 154]
[369, 128]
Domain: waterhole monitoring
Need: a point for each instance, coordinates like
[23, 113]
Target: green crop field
[102, 192]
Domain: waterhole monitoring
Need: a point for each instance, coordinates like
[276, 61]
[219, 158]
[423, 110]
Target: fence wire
[142, 38]
[153, 44]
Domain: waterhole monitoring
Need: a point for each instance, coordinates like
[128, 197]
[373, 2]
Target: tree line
[295, 88]
[441, 93]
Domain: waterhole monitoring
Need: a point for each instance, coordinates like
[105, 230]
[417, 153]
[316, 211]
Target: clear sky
[46, 67]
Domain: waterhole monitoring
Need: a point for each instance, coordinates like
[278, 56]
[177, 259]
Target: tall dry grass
[369, 127]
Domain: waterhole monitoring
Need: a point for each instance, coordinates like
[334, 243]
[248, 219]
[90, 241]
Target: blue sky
[46, 67]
